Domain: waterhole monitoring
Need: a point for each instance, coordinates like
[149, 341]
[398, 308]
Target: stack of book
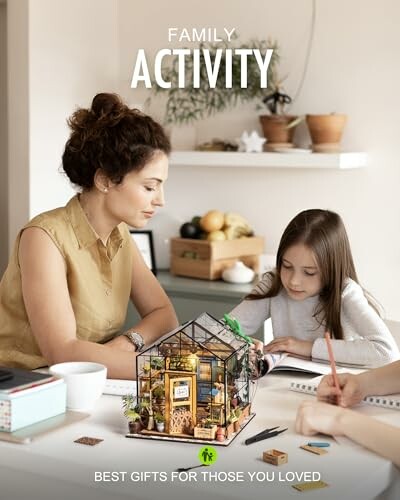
[29, 397]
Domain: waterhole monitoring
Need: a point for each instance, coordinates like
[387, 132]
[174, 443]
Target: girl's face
[137, 198]
[300, 274]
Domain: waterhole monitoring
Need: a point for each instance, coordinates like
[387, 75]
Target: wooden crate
[205, 433]
[275, 457]
[207, 259]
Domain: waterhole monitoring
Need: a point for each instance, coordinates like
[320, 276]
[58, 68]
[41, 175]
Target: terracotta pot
[220, 436]
[135, 427]
[326, 131]
[229, 430]
[276, 132]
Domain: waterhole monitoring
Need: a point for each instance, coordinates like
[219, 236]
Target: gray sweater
[366, 338]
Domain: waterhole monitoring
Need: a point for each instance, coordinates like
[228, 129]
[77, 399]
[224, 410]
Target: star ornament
[252, 143]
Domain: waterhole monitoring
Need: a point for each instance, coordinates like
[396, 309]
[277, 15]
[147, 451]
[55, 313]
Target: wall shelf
[269, 160]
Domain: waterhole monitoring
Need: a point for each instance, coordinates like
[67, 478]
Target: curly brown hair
[113, 137]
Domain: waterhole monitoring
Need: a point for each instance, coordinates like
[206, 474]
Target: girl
[65, 292]
[313, 289]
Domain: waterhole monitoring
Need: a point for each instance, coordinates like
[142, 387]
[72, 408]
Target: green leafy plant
[157, 363]
[232, 417]
[188, 104]
[208, 424]
[159, 391]
[131, 409]
[159, 417]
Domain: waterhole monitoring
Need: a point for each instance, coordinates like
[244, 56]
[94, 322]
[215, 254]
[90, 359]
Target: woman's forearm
[121, 363]
[160, 321]
[377, 436]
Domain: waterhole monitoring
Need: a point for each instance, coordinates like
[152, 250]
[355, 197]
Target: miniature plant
[188, 104]
[156, 363]
[131, 409]
[232, 417]
[208, 423]
[159, 417]
[159, 391]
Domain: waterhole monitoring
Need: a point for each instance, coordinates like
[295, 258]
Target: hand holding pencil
[333, 368]
[351, 387]
[343, 390]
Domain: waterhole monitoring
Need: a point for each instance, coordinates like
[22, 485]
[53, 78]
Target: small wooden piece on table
[88, 440]
[275, 457]
[314, 449]
[310, 485]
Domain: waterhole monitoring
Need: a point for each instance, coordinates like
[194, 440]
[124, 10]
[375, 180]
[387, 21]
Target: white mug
[85, 382]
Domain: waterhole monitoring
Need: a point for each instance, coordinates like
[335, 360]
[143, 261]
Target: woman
[65, 293]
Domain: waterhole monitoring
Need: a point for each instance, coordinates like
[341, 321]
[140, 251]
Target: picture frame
[144, 242]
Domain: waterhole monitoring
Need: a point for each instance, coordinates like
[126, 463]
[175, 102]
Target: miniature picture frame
[144, 242]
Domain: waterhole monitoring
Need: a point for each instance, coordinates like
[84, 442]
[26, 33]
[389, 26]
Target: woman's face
[137, 198]
[299, 273]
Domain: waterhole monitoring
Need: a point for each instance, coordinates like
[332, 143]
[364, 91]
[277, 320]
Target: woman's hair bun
[105, 104]
[111, 136]
[108, 106]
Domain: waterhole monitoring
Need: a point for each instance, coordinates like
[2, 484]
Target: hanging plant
[188, 104]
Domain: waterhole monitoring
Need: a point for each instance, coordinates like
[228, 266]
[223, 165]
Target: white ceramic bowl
[85, 382]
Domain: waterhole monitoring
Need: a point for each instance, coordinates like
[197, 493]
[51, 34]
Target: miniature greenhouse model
[196, 380]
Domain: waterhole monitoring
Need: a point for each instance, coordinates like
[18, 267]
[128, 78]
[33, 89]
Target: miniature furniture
[275, 457]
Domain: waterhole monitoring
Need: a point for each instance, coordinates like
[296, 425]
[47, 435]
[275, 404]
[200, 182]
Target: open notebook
[392, 401]
[285, 362]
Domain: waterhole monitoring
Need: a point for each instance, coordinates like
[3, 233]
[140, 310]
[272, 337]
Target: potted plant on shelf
[278, 127]
[131, 412]
[160, 422]
[326, 131]
[159, 394]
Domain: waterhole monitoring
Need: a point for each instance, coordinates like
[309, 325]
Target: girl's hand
[314, 417]
[290, 345]
[352, 390]
[255, 354]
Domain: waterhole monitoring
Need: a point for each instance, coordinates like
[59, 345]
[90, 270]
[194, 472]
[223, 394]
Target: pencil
[333, 365]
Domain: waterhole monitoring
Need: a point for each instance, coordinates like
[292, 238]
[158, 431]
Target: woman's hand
[314, 417]
[290, 345]
[121, 343]
[351, 386]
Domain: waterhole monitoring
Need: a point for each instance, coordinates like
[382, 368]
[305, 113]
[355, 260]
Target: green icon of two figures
[207, 455]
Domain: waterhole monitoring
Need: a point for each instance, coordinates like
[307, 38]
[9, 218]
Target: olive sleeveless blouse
[98, 277]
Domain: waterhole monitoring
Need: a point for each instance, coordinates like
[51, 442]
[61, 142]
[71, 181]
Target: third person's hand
[351, 387]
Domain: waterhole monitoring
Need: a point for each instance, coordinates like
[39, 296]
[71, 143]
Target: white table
[54, 467]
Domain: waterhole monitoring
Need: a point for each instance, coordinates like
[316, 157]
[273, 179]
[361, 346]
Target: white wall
[61, 52]
[353, 69]
[3, 140]
[18, 115]
[71, 50]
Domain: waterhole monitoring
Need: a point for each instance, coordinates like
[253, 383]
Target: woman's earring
[105, 190]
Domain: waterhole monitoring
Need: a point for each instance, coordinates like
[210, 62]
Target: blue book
[29, 406]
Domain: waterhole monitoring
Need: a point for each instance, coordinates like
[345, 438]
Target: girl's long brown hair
[323, 232]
